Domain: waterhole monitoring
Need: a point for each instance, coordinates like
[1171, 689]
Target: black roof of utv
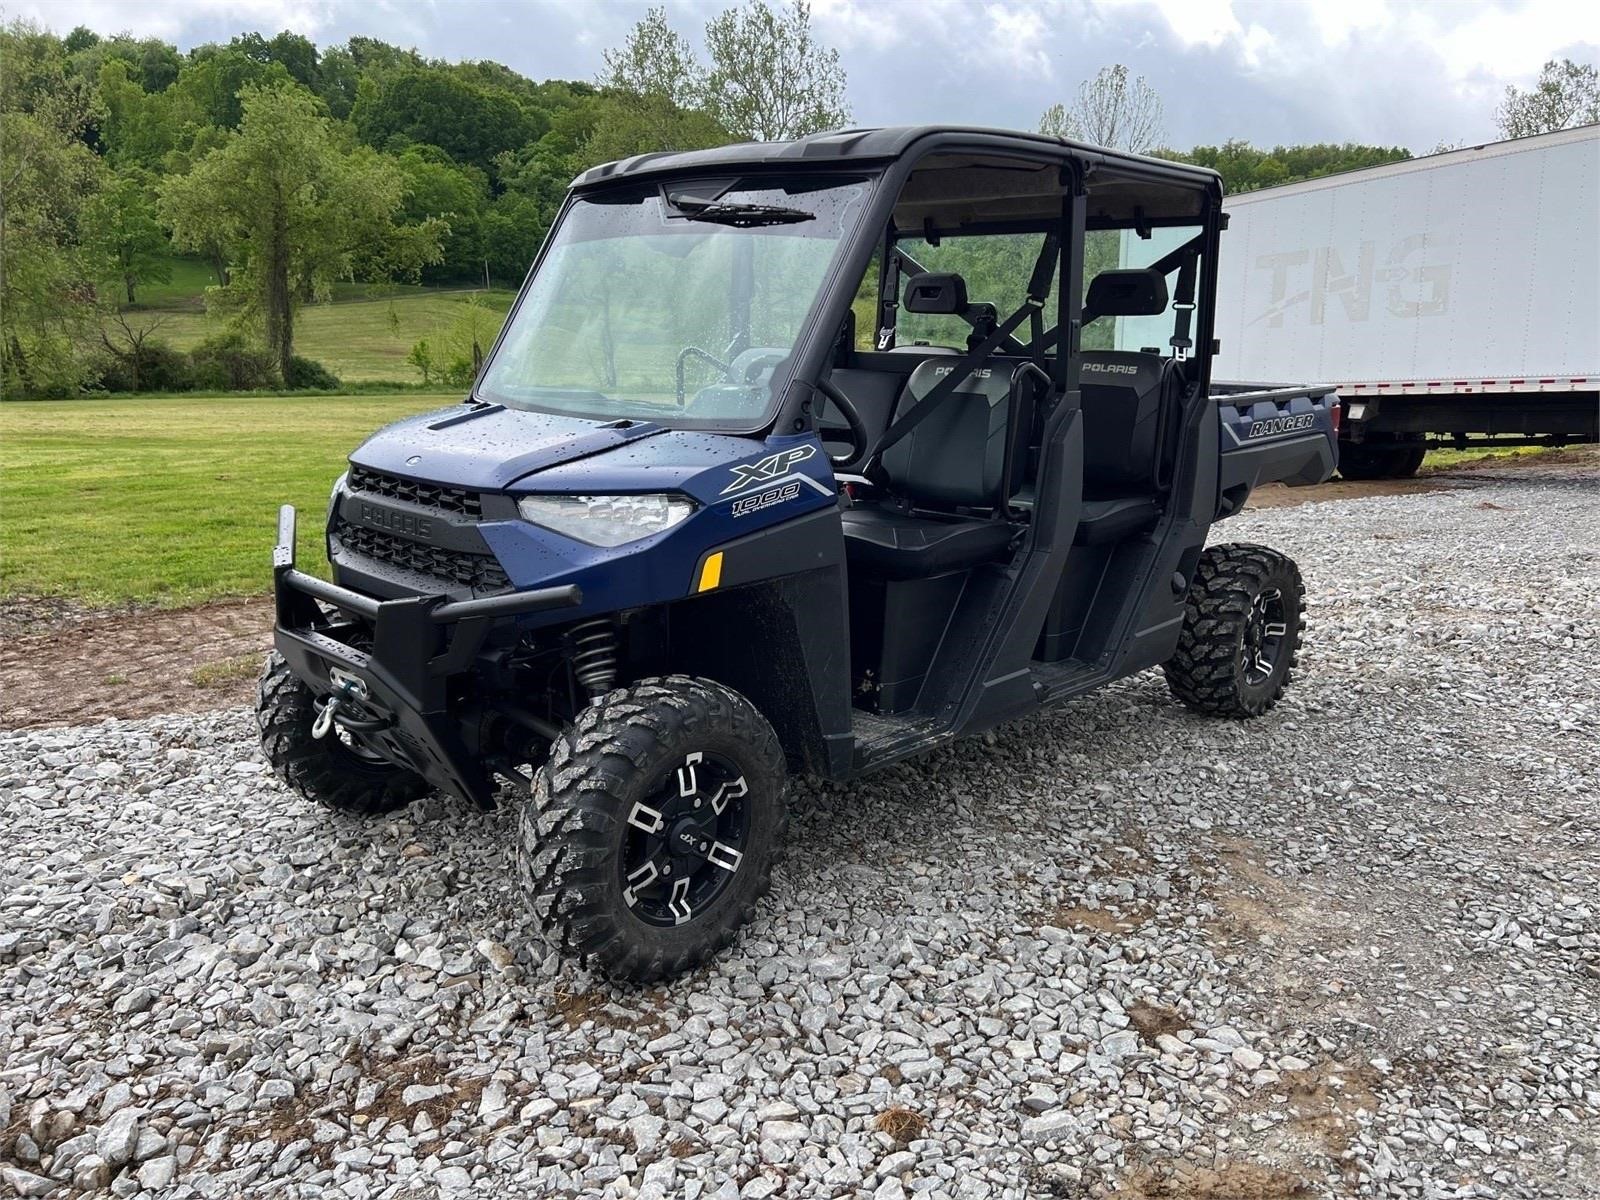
[864, 146]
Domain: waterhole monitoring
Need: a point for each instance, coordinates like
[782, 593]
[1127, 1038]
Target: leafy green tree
[1058, 121]
[438, 187]
[139, 127]
[293, 204]
[47, 173]
[654, 89]
[81, 38]
[1245, 168]
[159, 65]
[513, 229]
[292, 51]
[152, 63]
[432, 106]
[1112, 109]
[121, 229]
[1567, 94]
[769, 79]
[214, 79]
[655, 60]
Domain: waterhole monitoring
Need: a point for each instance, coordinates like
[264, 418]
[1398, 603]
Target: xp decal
[767, 469]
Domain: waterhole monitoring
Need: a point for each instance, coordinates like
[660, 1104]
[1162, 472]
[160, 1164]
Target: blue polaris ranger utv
[791, 457]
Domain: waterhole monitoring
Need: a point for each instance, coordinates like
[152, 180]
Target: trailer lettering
[1343, 278]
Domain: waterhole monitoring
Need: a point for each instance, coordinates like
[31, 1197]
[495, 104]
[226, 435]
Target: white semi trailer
[1449, 295]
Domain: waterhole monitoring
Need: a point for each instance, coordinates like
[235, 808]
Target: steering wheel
[706, 356]
[858, 429]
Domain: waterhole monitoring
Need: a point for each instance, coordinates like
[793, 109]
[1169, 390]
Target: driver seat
[950, 464]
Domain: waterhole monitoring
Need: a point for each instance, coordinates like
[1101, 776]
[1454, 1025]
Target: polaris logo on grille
[1274, 425]
[395, 522]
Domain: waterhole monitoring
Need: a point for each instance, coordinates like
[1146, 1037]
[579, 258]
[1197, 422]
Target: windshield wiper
[742, 215]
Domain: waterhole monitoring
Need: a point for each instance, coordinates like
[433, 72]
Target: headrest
[1138, 292]
[1120, 368]
[936, 292]
[992, 382]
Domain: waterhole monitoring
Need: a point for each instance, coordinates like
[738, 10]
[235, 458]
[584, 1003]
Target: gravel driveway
[1352, 949]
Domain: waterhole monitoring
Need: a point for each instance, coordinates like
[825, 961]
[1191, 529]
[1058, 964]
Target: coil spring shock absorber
[594, 656]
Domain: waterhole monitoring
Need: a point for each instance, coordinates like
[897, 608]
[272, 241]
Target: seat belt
[1183, 306]
[1032, 309]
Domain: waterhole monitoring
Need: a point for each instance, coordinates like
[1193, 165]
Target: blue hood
[489, 447]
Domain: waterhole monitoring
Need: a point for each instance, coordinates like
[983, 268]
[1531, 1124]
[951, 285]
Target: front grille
[430, 495]
[478, 571]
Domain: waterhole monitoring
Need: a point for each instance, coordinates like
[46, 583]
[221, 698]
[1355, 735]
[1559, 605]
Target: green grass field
[360, 341]
[173, 500]
[362, 335]
[170, 501]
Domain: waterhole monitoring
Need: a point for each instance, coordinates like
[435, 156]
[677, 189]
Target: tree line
[288, 167]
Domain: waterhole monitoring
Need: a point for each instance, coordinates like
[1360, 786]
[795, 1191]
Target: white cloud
[1386, 71]
[172, 19]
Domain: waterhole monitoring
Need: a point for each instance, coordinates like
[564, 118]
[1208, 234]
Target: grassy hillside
[359, 337]
[173, 500]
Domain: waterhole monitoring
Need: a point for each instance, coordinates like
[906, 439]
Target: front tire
[651, 832]
[1241, 632]
[329, 771]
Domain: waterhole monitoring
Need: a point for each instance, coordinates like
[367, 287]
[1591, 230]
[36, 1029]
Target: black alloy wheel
[1241, 632]
[686, 841]
[1264, 634]
[652, 829]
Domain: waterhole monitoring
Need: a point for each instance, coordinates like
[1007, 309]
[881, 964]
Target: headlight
[333, 496]
[606, 520]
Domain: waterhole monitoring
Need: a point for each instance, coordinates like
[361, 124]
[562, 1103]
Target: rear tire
[325, 770]
[612, 844]
[1241, 632]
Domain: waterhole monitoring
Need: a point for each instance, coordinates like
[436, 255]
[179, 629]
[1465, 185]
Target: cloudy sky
[1378, 71]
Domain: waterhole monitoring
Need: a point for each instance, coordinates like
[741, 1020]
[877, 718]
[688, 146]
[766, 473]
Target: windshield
[678, 302]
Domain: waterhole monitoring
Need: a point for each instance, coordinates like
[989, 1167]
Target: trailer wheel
[1407, 461]
[651, 831]
[334, 773]
[1241, 632]
[1359, 461]
[1380, 460]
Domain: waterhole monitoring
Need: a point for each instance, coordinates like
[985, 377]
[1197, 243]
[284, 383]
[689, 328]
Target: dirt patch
[577, 1009]
[1431, 479]
[1278, 495]
[1225, 1181]
[90, 665]
[1324, 1102]
[1095, 920]
[902, 1124]
[1153, 1020]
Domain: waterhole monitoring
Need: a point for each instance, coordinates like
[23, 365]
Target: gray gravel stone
[1084, 955]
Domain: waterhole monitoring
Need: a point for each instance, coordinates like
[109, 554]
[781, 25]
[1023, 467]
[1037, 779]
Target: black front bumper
[418, 643]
